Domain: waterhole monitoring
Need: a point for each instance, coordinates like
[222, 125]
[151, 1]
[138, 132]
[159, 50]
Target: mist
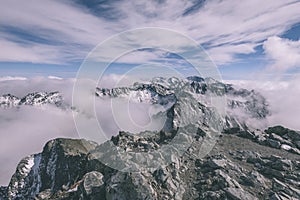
[25, 130]
[282, 98]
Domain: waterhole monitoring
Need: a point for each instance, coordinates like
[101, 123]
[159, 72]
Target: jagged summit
[163, 91]
[194, 90]
[195, 78]
[8, 100]
[32, 99]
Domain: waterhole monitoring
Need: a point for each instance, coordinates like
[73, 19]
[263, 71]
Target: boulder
[239, 194]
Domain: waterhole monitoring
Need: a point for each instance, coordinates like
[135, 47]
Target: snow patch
[27, 168]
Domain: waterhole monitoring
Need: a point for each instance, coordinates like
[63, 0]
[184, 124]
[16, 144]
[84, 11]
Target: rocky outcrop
[3, 193]
[276, 137]
[237, 168]
[61, 164]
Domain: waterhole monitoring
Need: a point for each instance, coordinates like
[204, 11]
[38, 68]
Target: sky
[245, 39]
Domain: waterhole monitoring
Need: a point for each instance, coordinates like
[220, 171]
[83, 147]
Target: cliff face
[245, 163]
[61, 162]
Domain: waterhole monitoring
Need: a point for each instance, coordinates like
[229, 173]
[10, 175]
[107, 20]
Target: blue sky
[245, 39]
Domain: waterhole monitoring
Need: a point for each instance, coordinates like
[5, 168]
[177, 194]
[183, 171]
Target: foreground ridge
[237, 168]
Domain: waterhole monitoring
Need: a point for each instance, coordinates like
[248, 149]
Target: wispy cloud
[68, 31]
[226, 28]
[11, 78]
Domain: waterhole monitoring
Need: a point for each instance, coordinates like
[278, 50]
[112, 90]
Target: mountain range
[200, 153]
[32, 99]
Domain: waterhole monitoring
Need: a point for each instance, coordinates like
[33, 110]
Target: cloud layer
[25, 130]
[282, 97]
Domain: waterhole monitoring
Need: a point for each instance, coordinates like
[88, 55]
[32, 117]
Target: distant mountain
[246, 163]
[196, 91]
[32, 99]
[240, 104]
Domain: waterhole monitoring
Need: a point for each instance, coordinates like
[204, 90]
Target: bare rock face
[60, 165]
[244, 164]
[3, 192]
[66, 170]
[276, 137]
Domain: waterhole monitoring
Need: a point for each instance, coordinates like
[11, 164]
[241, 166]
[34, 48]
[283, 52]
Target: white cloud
[55, 77]
[35, 53]
[116, 80]
[225, 54]
[74, 31]
[226, 27]
[140, 57]
[25, 130]
[284, 53]
[11, 78]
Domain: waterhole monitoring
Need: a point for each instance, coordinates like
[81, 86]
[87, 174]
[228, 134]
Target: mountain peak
[195, 78]
[32, 99]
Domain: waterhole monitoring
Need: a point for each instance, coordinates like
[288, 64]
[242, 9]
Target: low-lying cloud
[282, 97]
[26, 129]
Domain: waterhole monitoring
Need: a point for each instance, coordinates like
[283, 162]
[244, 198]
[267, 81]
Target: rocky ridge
[195, 95]
[237, 168]
[245, 163]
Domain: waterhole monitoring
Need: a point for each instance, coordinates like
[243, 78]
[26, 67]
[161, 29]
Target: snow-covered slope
[32, 99]
[8, 101]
